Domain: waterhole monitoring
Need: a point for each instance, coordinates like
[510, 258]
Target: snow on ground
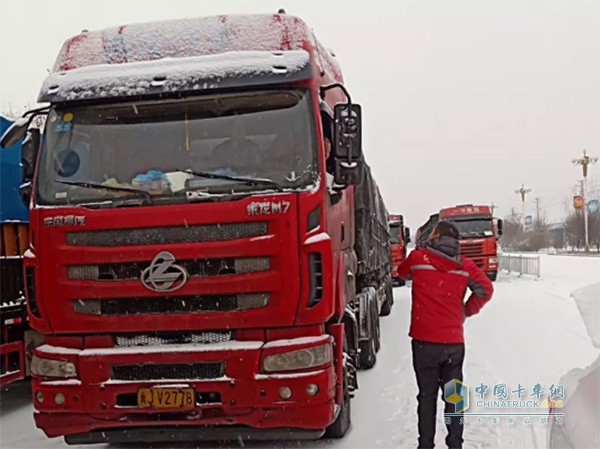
[531, 332]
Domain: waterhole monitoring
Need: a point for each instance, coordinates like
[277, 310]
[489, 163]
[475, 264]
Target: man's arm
[405, 267]
[480, 286]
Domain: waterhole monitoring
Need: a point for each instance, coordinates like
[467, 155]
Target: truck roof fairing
[177, 75]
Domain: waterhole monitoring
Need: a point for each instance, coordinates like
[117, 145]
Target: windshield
[234, 138]
[394, 234]
[474, 228]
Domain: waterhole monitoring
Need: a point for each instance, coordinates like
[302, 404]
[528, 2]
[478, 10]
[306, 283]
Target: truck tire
[377, 332]
[386, 307]
[368, 354]
[368, 348]
[493, 276]
[344, 418]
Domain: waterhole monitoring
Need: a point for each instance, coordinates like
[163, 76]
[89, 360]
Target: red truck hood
[217, 266]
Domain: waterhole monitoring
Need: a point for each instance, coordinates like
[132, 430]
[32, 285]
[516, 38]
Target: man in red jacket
[440, 278]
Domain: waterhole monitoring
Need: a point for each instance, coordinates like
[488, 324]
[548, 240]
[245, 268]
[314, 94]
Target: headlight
[493, 260]
[52, 368]
[297, 360]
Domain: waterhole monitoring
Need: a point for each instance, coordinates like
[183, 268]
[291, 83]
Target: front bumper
[151, 435]
[245, 397]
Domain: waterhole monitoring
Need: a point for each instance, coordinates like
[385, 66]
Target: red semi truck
[479, 233]
[400, 238]
[16, 339]
[200, 264]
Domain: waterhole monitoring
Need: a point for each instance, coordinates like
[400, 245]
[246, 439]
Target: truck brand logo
[468, 209]
[163, 274]
[64, 220]
[269, 208]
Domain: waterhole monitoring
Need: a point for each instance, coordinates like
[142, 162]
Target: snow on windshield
[143, 145]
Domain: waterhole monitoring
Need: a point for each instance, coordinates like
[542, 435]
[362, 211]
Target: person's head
[444, 229]
[327, 144]
[327, 124]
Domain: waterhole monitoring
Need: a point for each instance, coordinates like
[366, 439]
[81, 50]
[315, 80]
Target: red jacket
[439, 284]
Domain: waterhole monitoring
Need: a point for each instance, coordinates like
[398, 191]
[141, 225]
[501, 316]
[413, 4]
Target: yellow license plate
[166, 398]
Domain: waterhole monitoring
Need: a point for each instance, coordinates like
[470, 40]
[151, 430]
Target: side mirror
[407, 234]
[15, 133]
[499, 227]
[25, 190]
[347, 131]
[348, 173]
[29, 152]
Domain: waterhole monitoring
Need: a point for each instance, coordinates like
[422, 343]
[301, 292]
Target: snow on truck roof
[176, 74]
[183, 38]
[217, 47]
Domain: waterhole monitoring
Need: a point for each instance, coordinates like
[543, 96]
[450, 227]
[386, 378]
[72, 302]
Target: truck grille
[192, 371]
[471, 249]
[127, 341]
[194, 268]
[479, 262]
[171, 304]
[167, 235]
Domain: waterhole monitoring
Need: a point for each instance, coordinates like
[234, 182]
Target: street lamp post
[585, 161]
[523, 191]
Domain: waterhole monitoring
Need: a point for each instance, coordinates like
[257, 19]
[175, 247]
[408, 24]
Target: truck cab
[14, 241]
[479, 234]
[193, 262]
[400, 238]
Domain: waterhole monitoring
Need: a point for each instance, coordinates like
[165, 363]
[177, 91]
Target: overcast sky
[462, 100]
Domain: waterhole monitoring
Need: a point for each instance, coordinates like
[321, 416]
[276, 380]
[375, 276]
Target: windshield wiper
[94, 185]
[242, 179]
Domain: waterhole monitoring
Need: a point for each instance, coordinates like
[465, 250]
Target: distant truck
[479, 233]
[210, 253]
[14, 238]
[400, 238]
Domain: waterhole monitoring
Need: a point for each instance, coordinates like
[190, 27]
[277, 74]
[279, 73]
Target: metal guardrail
[517, 263]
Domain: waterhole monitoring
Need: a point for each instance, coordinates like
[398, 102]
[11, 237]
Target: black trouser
[435, 365]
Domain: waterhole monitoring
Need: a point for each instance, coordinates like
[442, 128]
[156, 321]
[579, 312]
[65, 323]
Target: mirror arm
[22, 123]
[34, 113]
[348, 125]
[340, 86]
[324, 90]
[38, 111]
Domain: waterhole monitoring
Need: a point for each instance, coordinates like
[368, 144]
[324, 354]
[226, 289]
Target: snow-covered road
[530, 333]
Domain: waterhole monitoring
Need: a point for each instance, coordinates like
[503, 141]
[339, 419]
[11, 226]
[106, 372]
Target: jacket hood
[447, 250]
